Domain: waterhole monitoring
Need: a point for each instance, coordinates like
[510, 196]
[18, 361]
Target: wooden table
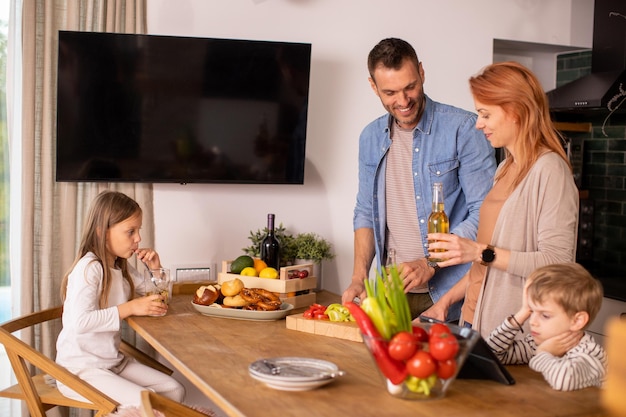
[214, 354]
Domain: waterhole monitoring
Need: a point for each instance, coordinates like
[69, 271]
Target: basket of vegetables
[415, 361]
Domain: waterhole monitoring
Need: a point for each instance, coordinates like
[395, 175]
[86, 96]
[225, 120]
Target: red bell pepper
[393, 369]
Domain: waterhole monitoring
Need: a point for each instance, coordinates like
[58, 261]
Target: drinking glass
[158, 281]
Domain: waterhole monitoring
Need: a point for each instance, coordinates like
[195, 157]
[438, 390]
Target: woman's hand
[437, 311]
[149, 257]
[458, 250]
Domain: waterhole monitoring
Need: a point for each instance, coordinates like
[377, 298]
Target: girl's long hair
[108, 209]
[516, 89]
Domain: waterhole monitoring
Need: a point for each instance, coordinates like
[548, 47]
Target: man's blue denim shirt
[448, 149]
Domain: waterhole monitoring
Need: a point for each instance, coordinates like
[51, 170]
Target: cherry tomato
[446, 369]
[420, 334]
[443, 346]
[421, 365]
[437, 328]
[402, 346]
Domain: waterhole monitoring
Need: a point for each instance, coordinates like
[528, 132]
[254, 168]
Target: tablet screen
[481, 363]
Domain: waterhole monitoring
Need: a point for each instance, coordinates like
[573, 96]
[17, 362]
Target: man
[401, 154]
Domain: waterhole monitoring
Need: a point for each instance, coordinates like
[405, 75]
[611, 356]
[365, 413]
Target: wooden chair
[151, 401]
[41, 395]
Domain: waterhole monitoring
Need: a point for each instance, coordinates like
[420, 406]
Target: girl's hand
[149, 257]
[149, 305]
[458, 250]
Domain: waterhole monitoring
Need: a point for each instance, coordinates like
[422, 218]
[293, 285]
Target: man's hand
[415, 273]
[356, 289]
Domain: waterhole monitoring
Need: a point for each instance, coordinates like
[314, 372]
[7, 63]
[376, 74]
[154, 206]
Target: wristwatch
[488, 255]
[433, 265]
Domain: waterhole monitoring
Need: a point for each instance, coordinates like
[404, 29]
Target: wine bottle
[438, 220]
[270, 246]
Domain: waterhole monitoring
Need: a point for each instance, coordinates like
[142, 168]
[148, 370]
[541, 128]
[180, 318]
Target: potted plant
[286, 239]
[312, 247]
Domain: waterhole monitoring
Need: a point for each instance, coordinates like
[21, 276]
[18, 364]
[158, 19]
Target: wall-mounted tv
[147, 108]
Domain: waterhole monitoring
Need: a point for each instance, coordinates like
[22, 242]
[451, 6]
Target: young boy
[560, 300]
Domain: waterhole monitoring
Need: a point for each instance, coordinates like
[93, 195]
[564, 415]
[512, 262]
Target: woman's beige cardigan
[538, 224]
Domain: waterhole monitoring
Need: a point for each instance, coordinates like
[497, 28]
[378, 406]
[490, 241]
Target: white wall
[204, 224]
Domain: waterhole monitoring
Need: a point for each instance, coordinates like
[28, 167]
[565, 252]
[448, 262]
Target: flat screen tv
[147, 108]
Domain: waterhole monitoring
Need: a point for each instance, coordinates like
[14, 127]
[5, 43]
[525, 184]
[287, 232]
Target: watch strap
[433, 265]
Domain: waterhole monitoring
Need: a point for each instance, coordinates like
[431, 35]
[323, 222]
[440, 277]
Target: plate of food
[219, 310]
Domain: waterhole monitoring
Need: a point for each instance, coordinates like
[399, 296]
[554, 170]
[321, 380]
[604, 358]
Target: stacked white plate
[294, 373]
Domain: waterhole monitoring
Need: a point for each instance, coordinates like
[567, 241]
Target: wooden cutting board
[340, 330]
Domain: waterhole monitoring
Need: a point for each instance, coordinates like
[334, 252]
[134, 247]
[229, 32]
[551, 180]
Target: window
[5, 277]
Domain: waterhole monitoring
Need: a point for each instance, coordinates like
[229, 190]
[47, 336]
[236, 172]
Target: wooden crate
[286, 288]
[283, 274]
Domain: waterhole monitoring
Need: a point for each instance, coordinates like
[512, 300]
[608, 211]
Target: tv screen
[146, 108]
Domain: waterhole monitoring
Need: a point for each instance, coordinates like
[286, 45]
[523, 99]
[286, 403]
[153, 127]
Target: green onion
[386, 304]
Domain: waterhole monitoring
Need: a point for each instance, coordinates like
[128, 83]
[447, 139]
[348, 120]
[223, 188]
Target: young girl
[98, 294]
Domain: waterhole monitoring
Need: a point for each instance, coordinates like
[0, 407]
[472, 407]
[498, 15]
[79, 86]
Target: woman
[529, 217]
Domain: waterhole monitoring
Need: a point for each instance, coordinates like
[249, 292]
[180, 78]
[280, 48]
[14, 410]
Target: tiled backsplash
[604, 173]
[571, 66]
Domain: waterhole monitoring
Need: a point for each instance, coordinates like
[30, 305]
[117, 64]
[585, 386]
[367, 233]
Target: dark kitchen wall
[603, 176]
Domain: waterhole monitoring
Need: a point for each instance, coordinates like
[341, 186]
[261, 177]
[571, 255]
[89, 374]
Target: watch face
[488, 255]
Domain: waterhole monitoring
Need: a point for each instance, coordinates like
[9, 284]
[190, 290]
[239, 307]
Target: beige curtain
[53, 212]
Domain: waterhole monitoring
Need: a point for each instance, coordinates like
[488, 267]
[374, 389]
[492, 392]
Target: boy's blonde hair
[569, 285]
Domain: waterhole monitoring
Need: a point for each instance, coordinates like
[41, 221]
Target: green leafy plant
[286, 239]
[313, 247]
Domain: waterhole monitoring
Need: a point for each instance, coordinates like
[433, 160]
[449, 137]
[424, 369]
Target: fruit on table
[402, 346]
[443, 346]
[248, 272]
[269, 272]
[259, 265]
[232, 287]
[295, 273]
[240, 263]
[404, 353]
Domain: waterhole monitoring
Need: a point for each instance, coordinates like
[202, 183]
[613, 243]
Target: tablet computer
[481, 363]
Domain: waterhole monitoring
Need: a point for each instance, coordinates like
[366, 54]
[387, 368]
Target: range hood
[605, 87]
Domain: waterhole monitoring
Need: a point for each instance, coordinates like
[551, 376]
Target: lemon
[269, 272]
[259, 265]
[248, 271]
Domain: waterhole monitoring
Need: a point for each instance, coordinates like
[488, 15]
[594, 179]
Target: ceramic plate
[293, 373]
[236, 313]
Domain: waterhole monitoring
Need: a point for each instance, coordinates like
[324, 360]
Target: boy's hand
[560, 344]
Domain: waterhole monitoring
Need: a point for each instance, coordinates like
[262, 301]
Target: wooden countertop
[214, 354]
